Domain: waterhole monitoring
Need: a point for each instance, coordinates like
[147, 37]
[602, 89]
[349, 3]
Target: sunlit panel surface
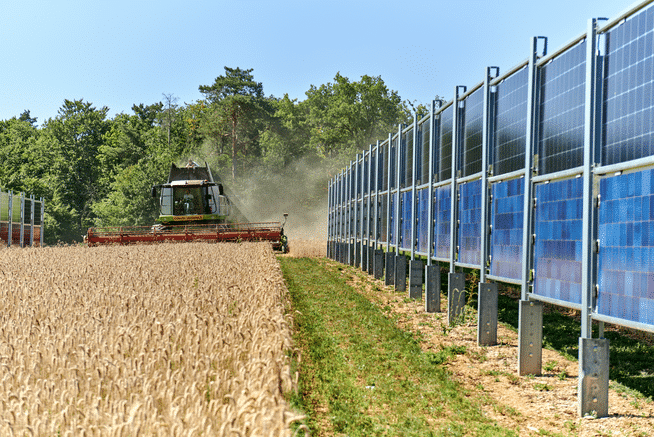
[557, 252]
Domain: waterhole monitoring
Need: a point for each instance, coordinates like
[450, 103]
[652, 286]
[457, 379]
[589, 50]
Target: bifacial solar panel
[470, 223]
[408, 157]
[445, 155]
[628, 129]
[507, 214]
[442, 208]
[626, 257]
[383, 209]
[392, 216]
[405, 224]
[561, 124]
[557, 251]
[425, 129]
[472, 137]
[510, 99]
[422, 213]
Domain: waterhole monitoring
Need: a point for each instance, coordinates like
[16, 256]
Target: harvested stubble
[171, 339]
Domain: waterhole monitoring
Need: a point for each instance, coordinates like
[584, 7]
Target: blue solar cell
[442, 208]
[470, 223]
[507, 223]
[626, 258]
[557, 251]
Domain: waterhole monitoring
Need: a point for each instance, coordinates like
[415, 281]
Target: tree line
[93, 170]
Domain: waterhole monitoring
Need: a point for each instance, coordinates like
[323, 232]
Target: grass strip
[362, 376]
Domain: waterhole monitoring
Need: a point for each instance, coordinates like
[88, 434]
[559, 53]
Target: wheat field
[159, 340]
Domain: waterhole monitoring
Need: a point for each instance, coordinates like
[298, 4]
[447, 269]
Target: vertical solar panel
[425, 129]
[364, 176]
[507, 213]
[626, 257]
[418, 153]
[561, 124]
[392, 216]
[407, 154]
[442, 208]
[470, 223]
[422, 214]
[383, 164]
[472, 136]
[383, 210]
[628, 131]
[405, 224]
[392, 171]
[557, 251]
[435, 170]
[510, 97]
[445, 155]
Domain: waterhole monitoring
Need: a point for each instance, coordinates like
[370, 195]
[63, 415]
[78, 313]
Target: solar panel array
[582, 114]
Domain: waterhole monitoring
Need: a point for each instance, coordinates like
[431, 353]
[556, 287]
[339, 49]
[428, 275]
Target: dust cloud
[300, 190]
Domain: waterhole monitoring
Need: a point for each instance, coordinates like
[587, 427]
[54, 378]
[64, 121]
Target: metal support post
[593, 393]
[456, 281]
[22, 220]
[389, 277]
[10, 222]
[530, 323]
[42, 222]
[400, 272]
[432, 271]
[32, 220]
[416, 270]
[487, 316]
[378, 265]
[376, 214]
[414, 159]
[356, 180]
[398, 187]
[487, 301]
[369, 213]
[388, 199]
[456, 298]
[433, 288]
[530, 338]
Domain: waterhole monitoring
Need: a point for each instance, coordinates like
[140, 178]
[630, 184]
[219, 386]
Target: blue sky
[120, 53]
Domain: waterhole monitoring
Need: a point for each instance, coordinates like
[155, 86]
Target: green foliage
[278, 153]
[344, 116]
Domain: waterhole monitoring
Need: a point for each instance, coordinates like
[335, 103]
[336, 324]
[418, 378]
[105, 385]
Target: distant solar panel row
[432, 171]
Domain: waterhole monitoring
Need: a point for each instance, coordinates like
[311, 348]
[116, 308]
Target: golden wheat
[300, 248]
[162, 340]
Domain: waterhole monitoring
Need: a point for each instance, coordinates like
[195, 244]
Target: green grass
[362, 376]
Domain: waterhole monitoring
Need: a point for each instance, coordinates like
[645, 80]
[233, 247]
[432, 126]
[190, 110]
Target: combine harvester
[193, 207]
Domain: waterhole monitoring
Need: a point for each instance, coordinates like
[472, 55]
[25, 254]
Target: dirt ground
[533, 405]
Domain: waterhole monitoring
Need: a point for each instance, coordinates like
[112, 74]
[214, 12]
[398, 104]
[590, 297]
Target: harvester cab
[191, 196]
